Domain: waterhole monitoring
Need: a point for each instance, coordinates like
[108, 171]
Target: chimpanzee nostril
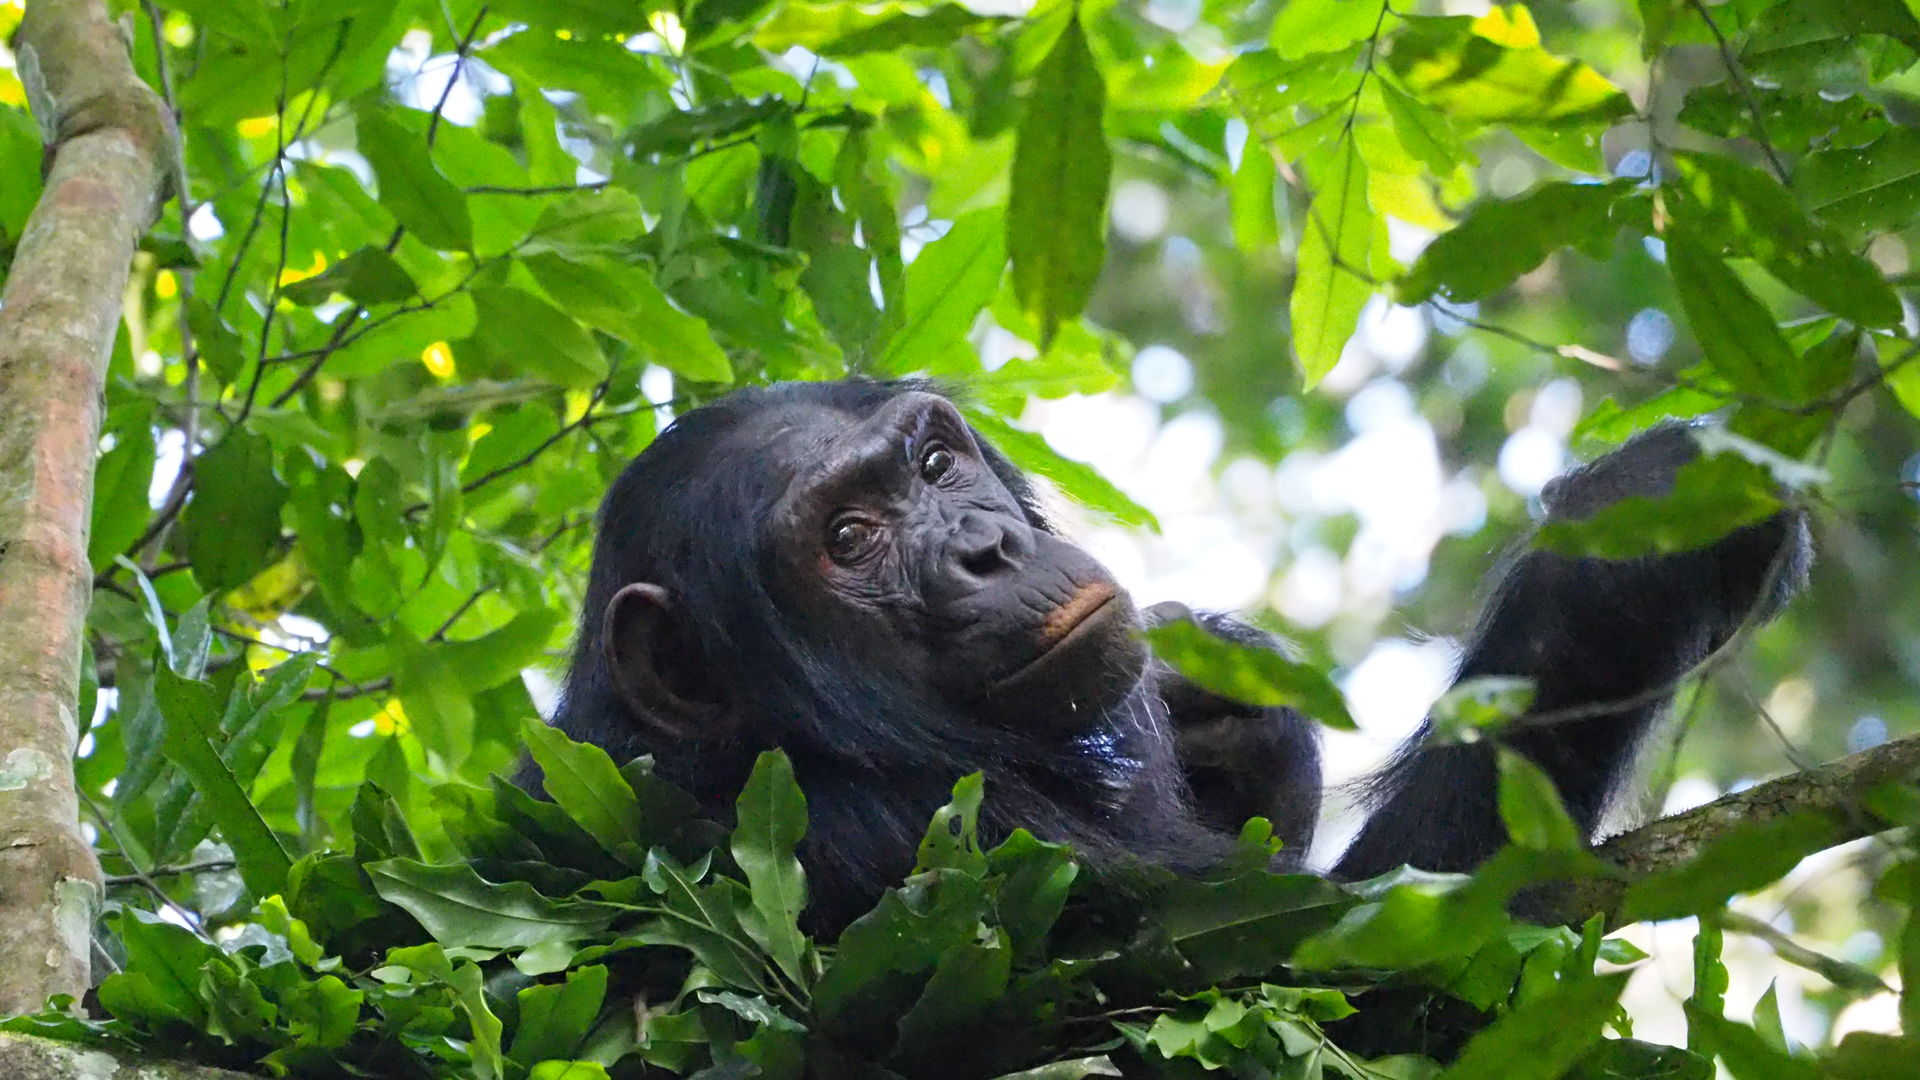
[984, 547]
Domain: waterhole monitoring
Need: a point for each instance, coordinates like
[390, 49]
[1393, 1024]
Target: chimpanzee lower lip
[1062, 626]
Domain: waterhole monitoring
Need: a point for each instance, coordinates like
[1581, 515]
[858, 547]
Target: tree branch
[1836, 791]
[110, 140]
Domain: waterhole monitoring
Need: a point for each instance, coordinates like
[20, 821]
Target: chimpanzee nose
[987, 544]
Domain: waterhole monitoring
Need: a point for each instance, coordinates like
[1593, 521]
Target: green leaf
[1745, 1051]
[1617, 1059]
[1530, 806]
[1078, 480]
[1318, 26]
[1743, 858]
[468, 984]
[411, 186]
[369, 276]
[460, 909]
[1035, 880]
[1710, 498]
[192, 739]
[120, 482]
[681, 130]
[1869, 1055]
[585, 782]
[1075, 1069]
[1249, 674]
[568, 1070]
[1747, 212]
[1540, 1039]
[1247, 924]
[556, 1018]
[519, 332]
[1479, 703]
[606, 221]
[1873, 188]
[623, 300]
[888, 950]
[947, 285]
[849, 30]
[703, 922]
[771, 817]
[232, 525]
[1799, 33]
[952, 839]
[588, 17]
[1735, 331]
[1340, 242]
[1256, 222]
[1766, 1017]
[968, 981]
[1057, 209]
[161, 979]
[1467, 76]
[1501, 239]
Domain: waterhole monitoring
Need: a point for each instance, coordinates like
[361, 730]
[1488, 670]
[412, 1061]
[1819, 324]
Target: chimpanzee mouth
[1064, 627]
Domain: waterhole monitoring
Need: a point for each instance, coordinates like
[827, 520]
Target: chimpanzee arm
[1241, 761]
[1589, 633]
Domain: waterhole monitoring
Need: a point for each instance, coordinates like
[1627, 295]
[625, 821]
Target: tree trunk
[108, 136]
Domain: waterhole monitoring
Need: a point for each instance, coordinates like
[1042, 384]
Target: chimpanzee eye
[936, 464]
[848, 537]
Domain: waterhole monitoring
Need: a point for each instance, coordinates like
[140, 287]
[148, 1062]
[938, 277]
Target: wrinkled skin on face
[896, 536]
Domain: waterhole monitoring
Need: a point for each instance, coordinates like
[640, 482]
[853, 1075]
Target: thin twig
[1746, 92]
[1834, 970]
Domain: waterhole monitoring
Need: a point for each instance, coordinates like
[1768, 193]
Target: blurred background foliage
[439, 269]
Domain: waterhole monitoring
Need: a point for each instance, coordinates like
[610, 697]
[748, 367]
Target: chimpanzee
[849, 572]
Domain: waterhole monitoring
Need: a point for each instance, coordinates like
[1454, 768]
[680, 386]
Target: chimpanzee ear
[652, 664]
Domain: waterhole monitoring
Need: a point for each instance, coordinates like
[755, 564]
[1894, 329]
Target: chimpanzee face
[895, 541]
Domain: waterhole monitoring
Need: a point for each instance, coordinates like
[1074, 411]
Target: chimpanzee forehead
[791, 437]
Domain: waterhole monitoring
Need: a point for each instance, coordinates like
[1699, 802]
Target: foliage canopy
[438, 270]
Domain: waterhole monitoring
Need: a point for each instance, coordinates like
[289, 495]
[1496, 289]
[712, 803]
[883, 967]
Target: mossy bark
[23, 1057]
[108, 136]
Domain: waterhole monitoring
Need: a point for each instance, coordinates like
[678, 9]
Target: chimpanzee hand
[1748, 574]
[1240, 760]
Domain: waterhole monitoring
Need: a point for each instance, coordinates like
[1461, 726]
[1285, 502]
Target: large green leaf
[556, 1018]
[1078, 480]
[847, 30]
[1746, 211]
[587, 785]
[1341, 242]
[1249, 674]
[1501, 239]
[519, 332]
[411, 186]
[1443, 61]
[192, 739]
[232, 526]
[770, 818]
[1057, 212]
[1875, 187]
[947, 285]
[120, 482]
[460, 909]
[1304, 27]
[1710, 498]
[1541, 1038]
[1734, 329]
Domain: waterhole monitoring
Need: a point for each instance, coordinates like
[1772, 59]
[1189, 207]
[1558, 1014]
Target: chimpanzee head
[845, 569]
